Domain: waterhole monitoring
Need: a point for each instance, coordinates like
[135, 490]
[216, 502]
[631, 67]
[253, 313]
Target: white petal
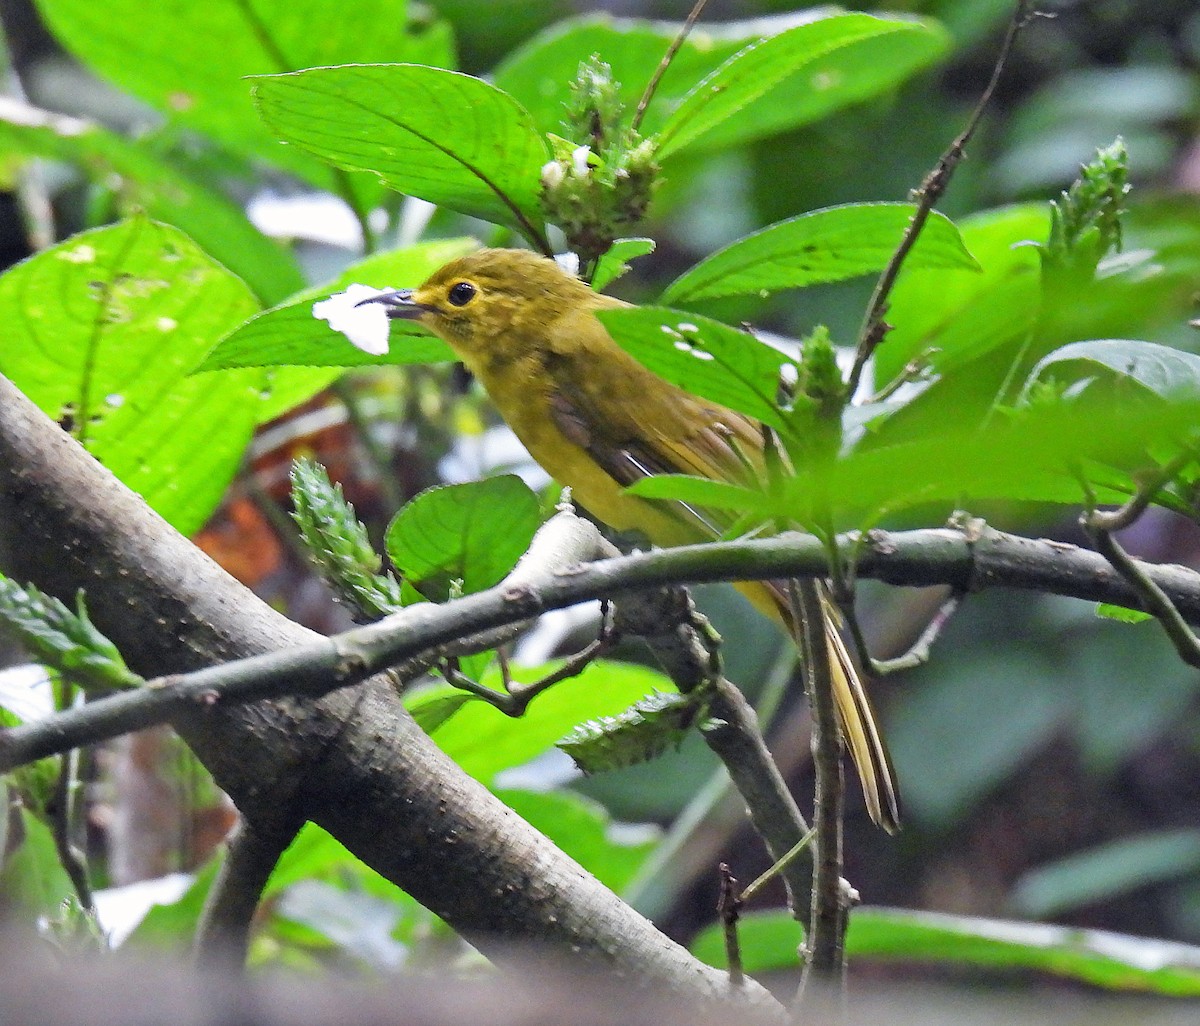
[365, 326]
[569, 262]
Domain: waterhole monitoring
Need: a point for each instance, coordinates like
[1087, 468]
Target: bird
[597, 420]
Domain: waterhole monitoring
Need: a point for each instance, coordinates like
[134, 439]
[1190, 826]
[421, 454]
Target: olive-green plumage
[597, 420]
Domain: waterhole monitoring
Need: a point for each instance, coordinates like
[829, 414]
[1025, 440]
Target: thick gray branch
[353, 761]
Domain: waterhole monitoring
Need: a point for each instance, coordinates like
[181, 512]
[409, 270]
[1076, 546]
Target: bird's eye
[461, 293]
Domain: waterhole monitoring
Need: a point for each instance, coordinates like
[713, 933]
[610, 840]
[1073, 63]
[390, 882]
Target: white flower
[552, 174]
[569, 262]
[366, 326]
[579, 160]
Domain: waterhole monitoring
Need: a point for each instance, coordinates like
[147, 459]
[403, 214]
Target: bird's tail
[857, 718]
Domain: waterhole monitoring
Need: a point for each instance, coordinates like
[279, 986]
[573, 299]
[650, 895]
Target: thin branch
[729, 905]
[918, 653]
[967, 562]
[515, 698]
[66, 789]
[1100, 527]
[768, 875]
[1153, 598]
[668, 57]
[874, 329]
[1146, 493]
[223, 935]
[687, 649]
[826, 940]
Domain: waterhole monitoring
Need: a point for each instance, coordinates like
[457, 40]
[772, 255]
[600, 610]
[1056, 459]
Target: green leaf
[392, 119]
[537, 73]
[103, 330]
[1168, 373]
[615, 262]
[151, 184]
[338, 545]
[61, 639]
[315, 854]
[821, 246]
[431, 707]
[637, 734]
[955, 316]
[172, 926]
[703, 356]
[823, 66]
[32, 879]
[1112, 960]
[212, 47]
[697, 491]
[289, 334]
[1108, 870]
[484, 742]
[472, 532]
[582, 828]
[1108, 611]
[1023, 456]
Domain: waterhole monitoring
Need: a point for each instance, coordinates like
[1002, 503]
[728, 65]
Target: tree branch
[223, 935]
[967, 562]
[825, 943]
[354, 761]
[874, 329]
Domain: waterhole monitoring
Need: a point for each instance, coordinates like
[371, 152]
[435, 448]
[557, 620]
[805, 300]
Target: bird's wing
[654, 428]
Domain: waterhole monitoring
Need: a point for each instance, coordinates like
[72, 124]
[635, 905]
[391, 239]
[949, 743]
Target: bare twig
[982, 559]
[826, 941]
[1100, 527]
[729, 906]
[515, 698]
[761, 881]
[668, 57]
[920, 650]
[66, 789]
[688, 650]
[874, 329]
[1146, 493]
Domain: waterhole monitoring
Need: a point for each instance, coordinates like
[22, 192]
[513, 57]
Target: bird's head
[490, 298]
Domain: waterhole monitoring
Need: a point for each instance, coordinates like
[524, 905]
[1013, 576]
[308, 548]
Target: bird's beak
[399, 304]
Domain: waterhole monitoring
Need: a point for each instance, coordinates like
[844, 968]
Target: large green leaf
[102, 333]
[1119, 962]
[822, 66]
[821, 246]
[582, 828]
[445, 137]
[164, 192]
[704, 356]
[190, 60]
[1167, 373]
[484, 742]
[1111, 869]
[1027, 456]
[473, 532]
[289, 334]
[32, 879]
[956, 316]
[537, 73]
